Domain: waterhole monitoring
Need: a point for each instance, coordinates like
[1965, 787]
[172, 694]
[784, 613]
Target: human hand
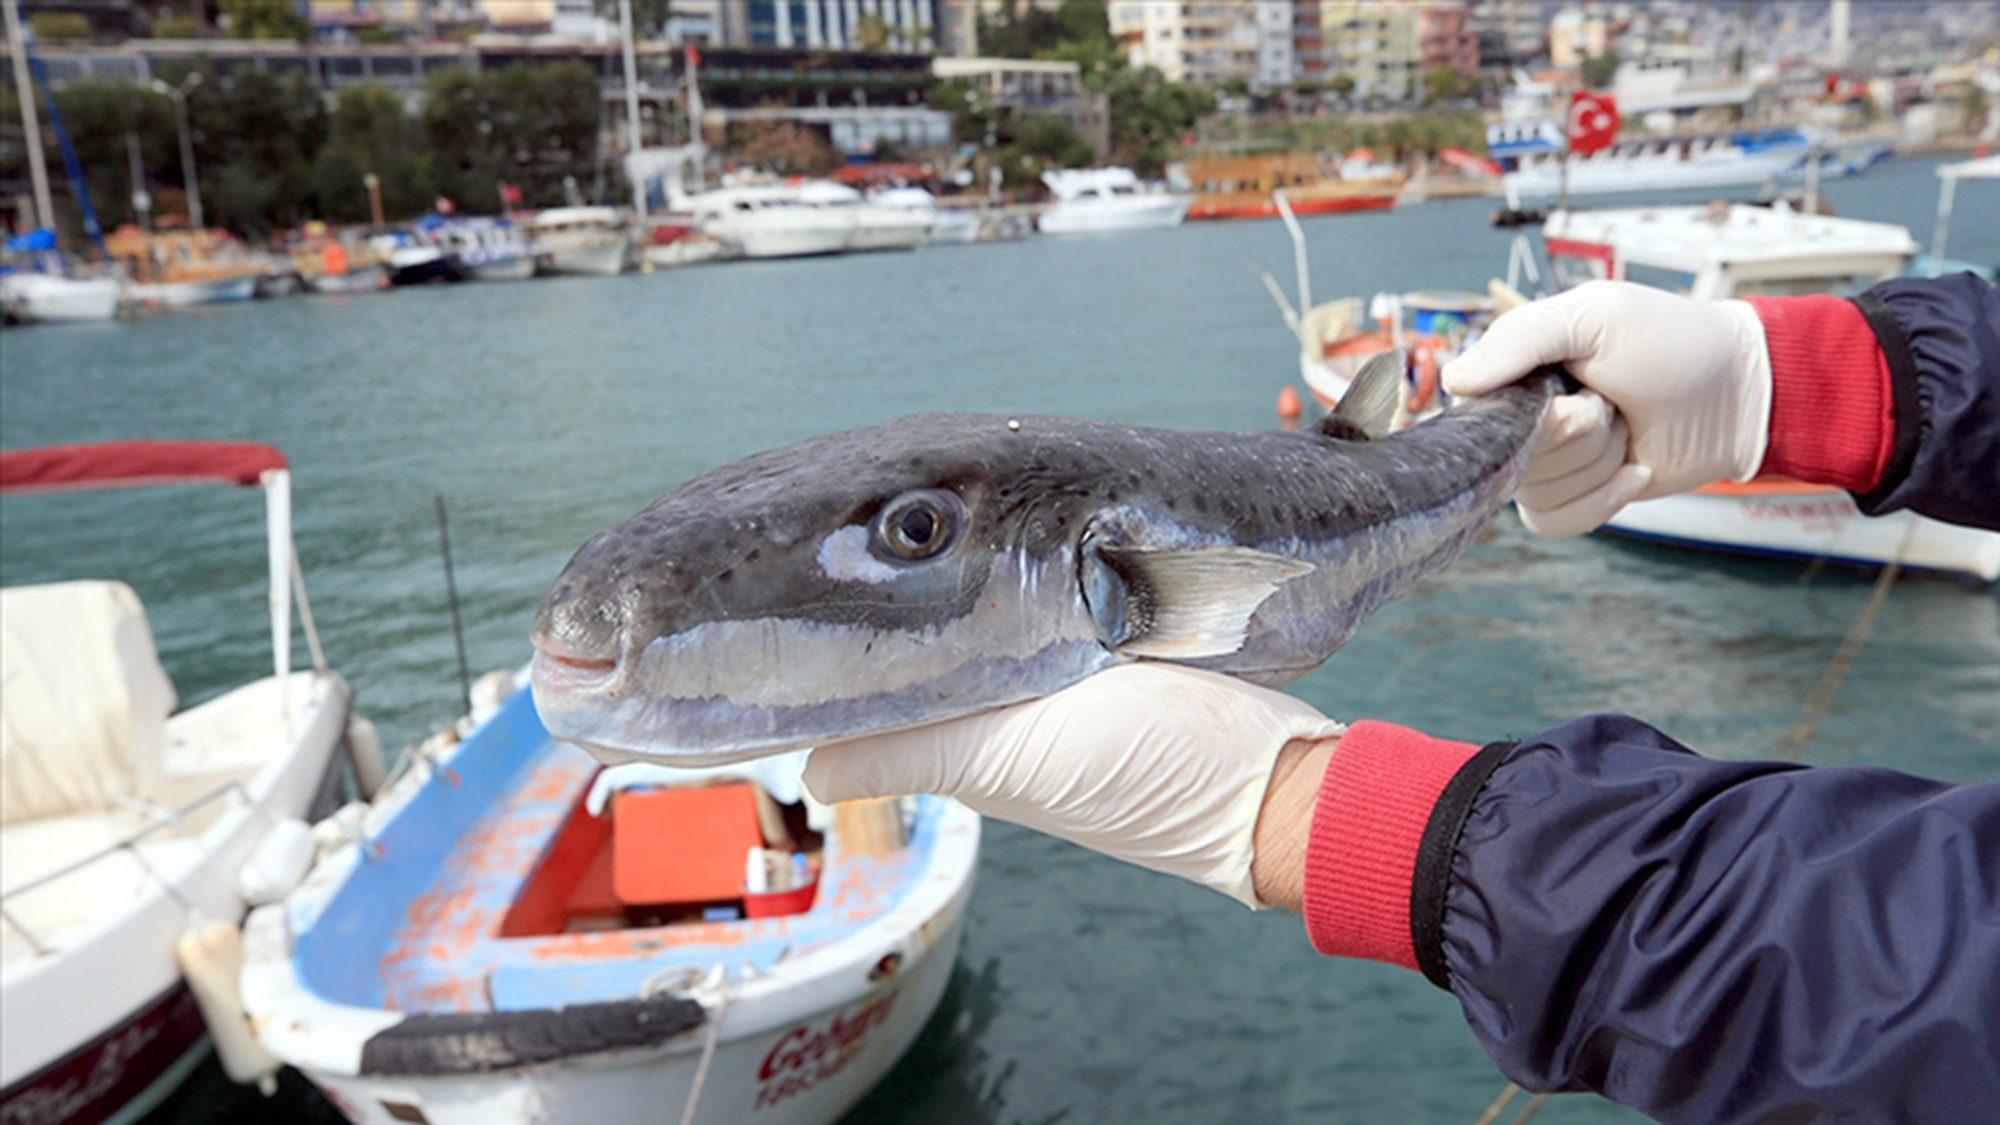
[1155, 764]
[1677, 395]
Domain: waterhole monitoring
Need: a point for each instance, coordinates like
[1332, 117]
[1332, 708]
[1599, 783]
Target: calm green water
[1086, 991]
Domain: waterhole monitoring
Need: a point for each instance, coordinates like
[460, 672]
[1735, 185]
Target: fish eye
[919, 525]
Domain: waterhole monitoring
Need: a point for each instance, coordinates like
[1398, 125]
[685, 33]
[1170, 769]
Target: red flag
[1593, 121]
[509, 194]
[694, 55]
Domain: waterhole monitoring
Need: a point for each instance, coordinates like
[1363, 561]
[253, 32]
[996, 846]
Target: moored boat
[518, 934]
[1241, 187]
[177, 268]
[39, 284]
[1107, 199]
[876, 226]
[482, 248]
[124, 824]
[586, 240]
[769, 221]
[672, 240]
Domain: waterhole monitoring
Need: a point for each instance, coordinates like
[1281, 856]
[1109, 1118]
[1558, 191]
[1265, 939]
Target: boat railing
[164, 818]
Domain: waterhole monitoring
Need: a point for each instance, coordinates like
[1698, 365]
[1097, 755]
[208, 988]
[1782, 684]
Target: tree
[1599, 70]
[371, 132]
[1443, 84]
[785, 148]
[1149, 114]
[265, 19]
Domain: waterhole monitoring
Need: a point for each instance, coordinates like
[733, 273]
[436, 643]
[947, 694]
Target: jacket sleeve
[1703, 941]
[1894, 396]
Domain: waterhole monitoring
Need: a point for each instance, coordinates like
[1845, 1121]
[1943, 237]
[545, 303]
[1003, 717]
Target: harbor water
[1086, 991]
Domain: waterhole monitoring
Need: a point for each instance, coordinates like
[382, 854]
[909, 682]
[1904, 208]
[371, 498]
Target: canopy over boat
[141, 464]
[137, 464]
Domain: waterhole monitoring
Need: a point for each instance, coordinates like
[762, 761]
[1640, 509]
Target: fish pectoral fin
[1198, 602]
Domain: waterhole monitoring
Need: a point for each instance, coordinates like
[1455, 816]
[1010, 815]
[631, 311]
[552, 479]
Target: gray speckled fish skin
[756, 608]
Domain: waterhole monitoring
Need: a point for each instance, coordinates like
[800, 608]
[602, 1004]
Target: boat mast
[24, 89]
[631, 104]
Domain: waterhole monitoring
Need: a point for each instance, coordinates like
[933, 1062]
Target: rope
[707, 1051]
[1793, 742]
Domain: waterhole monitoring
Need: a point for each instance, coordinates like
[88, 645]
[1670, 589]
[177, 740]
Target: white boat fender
[340, 826]
[281, 860]
[211, 958]
[364, 753]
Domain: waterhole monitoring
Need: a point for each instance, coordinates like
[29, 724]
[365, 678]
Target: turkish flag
[1593, 121]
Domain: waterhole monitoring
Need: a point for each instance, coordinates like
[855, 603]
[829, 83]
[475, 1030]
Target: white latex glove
[1154, 764]
[1678, 395]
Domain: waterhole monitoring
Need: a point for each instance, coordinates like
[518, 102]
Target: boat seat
[676, 846]
[228, 738]
[83, 700]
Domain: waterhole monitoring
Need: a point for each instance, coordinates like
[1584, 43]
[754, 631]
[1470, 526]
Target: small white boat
[672, 241]
[37, 297]
[516, 934]
[123, 823]
[1107, 199]
[585, 240]
[770, 221]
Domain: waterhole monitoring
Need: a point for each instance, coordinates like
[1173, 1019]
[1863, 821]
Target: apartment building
[1211, 41]
[1446, 38]
[1378, 44]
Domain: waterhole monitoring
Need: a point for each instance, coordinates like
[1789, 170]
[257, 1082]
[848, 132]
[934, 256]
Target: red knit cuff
[1369, 819]
[1833, 418]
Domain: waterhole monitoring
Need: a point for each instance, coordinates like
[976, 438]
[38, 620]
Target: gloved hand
[1678, 395]
[1158, 765]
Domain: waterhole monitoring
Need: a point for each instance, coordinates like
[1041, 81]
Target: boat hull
[120, 1075]
[211, 291]
[1783, 520]
[1304, 204]
[361, 279]
[601, 258]
[1096, 216]
[47, 299]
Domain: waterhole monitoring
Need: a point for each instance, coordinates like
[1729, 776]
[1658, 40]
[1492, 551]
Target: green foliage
[59, 25]
[1052, 142]
[529, 126]
[264, 19]
[371, 133]
[1149, 115]
[1443, 84]
[176, 27]
[1599, 70]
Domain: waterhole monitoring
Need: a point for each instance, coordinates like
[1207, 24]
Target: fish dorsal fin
[1369, 405]
[1174, 604]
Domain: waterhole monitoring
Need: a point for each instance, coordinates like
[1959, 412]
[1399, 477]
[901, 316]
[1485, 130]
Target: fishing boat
[1107, 199]
[1241, 187]
[585, 240]
[1725, 250]
[125, 825]
[39, 284]
[332, 265]
[516, 933]
[178, 268]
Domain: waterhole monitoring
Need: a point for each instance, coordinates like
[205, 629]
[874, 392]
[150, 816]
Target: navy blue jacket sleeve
[1941, 338]
[1712, 941]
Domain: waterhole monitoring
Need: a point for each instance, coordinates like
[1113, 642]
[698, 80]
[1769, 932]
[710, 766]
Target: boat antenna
[451, 594]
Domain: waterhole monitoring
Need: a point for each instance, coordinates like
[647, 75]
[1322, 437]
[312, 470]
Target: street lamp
[179, 95]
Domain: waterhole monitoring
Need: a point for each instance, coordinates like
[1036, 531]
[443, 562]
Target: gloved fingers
[1554, 491]
[1576, 431]
[1588, 511]
[1518, 342]
[919, 760]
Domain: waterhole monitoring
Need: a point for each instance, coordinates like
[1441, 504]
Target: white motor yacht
[771, 221]
[590, 240]
[1107, 199]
